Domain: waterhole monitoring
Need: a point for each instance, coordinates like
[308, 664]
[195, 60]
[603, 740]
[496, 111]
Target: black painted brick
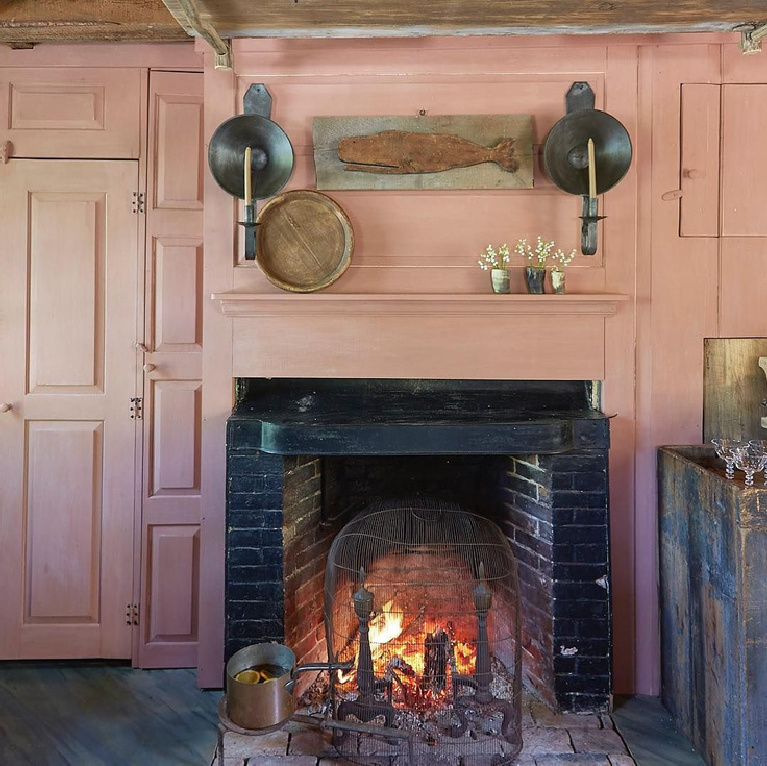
[255, 538]
[582, 591]
[251, 610]
[583, 684]
[583, 703]
[569, 553]
[255, 592]
[562, 499]
[247, 483]
[561, 480]
[253, 629]
[585, 460]
[593, 666]
[580, 609]
[254, 556]
[242, 575]
[533, 543]
[579, 535]
[592, 517]
[582, 572]
[255, 519]
[268, 500]
[587, 481]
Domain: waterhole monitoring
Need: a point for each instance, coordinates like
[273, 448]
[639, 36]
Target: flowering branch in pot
[560, 260]
[496, 262]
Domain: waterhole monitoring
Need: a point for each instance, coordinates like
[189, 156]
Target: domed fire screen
[424, 597]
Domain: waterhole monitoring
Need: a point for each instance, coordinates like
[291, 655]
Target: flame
[390, 639]
[385, 627]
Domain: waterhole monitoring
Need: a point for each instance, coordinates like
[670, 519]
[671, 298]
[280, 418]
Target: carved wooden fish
[401, 151]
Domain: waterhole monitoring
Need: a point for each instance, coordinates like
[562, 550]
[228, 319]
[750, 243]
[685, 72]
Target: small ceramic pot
[499, 278]
[534, 280]
[558, 282]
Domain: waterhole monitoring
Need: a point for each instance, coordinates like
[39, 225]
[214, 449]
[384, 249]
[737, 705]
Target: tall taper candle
[592, 170]
[248, 176]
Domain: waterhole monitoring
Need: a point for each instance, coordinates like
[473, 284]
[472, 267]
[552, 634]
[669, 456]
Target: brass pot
[264, 705]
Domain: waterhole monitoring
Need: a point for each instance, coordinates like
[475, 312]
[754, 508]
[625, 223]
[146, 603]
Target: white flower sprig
[561, 259]
[537, 255]
[494, 259]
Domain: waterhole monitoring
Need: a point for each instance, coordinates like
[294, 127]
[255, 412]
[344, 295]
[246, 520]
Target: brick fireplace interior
[305, 456]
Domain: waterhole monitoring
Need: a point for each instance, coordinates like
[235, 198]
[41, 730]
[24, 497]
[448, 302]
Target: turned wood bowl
[304, 241]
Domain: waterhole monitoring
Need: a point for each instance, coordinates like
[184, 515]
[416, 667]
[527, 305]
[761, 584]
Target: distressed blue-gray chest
[713, 570]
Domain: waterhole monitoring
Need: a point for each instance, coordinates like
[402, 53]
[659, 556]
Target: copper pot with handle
[270, 702]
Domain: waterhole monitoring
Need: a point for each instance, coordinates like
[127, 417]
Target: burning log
[435, 657]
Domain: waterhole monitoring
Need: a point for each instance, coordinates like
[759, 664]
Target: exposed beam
[339, 18]
[187, 14]
[32, 21]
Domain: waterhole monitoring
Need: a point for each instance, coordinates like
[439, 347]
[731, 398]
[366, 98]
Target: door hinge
[131, 614]
[135, 408]
[138, 202]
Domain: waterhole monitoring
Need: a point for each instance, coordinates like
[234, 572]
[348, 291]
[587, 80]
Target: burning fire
[398, 649]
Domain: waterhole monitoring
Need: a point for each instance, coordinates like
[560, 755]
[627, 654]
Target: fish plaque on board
[452, 152]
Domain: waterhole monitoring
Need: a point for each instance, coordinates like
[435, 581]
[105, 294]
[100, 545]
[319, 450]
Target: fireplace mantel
[276, 304]
[456, 336]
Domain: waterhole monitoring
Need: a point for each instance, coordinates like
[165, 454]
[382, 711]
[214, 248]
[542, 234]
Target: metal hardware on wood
[751, 37]
[150, 367]
[6, 150]
[693, 174]
[138, 202]
[135, 408]
[6, 407]
[142, 347]
[131, 614]
[672, 195]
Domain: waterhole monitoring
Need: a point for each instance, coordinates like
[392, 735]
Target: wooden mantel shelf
[330, 304]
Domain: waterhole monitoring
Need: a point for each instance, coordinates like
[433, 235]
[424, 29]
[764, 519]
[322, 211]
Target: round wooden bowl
[304, 241]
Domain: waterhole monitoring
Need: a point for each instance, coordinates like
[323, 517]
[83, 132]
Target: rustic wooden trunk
[713, 569]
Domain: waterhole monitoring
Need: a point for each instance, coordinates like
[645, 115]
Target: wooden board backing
[734, 388]
[485, 130]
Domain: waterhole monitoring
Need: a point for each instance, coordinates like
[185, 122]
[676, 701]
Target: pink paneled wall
[410, 243]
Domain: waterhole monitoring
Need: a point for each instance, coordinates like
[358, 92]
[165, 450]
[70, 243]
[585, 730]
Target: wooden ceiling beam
[34, 21]
[348, 18]
[187, 15]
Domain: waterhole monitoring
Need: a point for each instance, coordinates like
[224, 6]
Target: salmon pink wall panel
[174, 575]
[176, 438]
[699, 176]
[744, 160]
[178, 181]
[77, 113]
[742, 284]
[408, 347]
[63, 521]
[66, 280]
[178, 294]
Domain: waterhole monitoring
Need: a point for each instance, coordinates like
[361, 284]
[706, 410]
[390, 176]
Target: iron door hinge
[131, 614]
[135, 408]
[138, 202]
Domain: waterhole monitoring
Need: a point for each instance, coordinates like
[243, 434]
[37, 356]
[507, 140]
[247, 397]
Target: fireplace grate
[423, 595]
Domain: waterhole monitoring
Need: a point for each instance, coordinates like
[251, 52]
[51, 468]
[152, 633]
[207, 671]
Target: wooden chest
[713, 570]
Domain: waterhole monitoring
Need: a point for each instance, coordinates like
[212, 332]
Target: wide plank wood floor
[90, 714]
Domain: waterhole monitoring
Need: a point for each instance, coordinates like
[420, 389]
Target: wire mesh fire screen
[424, 597]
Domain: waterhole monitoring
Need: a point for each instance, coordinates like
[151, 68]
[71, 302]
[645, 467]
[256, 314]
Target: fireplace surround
[306, 456]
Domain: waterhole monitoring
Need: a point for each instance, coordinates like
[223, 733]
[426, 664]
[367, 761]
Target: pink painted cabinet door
[170, 521]
[68, 318]
[71, 112]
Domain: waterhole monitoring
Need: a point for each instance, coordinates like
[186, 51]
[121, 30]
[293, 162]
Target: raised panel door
[170, 496]
[68, 312]
[71, 112]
